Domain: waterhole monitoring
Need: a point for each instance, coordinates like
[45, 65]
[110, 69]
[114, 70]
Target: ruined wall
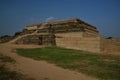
[110, 46]
[61, 26]
[47, 40]
[90, 31]
[72, 33]
[30, 39]
[76, 40]
[6, 39]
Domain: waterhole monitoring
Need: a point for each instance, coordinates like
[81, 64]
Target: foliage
[6, 59]
[109, 37]
[17, 33]
[98, 65]
[4, 36]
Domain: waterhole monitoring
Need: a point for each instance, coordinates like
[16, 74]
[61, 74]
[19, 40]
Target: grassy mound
[98, 65]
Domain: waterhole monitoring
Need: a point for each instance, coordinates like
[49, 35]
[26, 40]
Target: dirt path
[40, 70]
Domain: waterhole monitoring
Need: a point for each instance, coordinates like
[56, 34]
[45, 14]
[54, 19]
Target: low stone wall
[47, 40]
[110, 46]
[31, 39]
[76, 40]
[6, 39]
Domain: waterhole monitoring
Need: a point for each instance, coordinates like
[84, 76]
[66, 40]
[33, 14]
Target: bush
[4, 36]
[109, 38]
[17, 33]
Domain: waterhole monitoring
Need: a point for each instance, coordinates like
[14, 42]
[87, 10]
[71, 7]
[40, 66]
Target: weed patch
[6, 59]
[6, 74]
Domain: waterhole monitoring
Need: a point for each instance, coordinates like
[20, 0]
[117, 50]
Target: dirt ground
[39, 70]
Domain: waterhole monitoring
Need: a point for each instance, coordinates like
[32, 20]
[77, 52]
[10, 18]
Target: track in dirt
[40, 70]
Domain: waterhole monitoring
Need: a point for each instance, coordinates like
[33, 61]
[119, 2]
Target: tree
[109, 37]
[4, 36]
[17, 33]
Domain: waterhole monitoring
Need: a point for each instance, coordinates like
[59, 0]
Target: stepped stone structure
[72, 33]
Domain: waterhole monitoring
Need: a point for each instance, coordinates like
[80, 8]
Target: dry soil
[39, 70]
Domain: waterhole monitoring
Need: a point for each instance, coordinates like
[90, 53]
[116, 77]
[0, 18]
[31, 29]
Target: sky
[103, 14]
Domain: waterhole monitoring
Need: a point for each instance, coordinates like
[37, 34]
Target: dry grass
[6, 73]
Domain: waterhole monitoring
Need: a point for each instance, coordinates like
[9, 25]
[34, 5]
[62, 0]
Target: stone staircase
[19, 37]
